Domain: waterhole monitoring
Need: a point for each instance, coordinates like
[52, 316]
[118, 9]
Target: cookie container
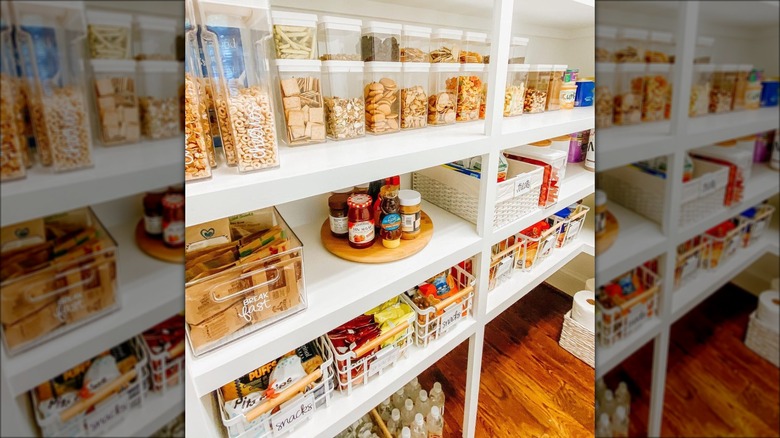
[338, 38]
[446, 45]
[345, 115]
[415, 43]
[300, 97]
[154, 37]
[294, 35]
[471, 87]
[381, 92]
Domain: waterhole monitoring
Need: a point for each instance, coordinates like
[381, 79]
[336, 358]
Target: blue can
[584, 96]
[769, 92]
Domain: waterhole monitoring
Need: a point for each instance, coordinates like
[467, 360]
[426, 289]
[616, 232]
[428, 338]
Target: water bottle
[419, 429]
[412, 389]
[407, 415]
[609, 403]
[406, 433]
[437, 397]
[394, 424]
[423, 403]
[620, 423]
[385, 409]
[604, 429]
[435, 423]
[623, 398]
[601, 388]
[398, 399]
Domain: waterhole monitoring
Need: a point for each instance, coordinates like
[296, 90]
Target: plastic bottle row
[612, 410]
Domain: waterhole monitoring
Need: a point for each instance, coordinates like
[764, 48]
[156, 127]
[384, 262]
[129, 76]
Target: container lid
[452, 34]
[445, 67]
[633, 67]
[293, 18]
[541, 67]
[606, 67]
[477, 37]
[659, 67]
[363, 186]
[606, 32]
[157, 66]
[661, 37]
[113, 65]
[704, 68]
[519, 41]
[360, 200]
[343, 66]
[156, 23]
[601, 197]
[633, 34]
[381, 27]
[536, 152]
[416, 67]
[704, 41]
[472, 67]
[298, 65]
[558, 67]
[418, 31]
[542, 144]
[110, 18]
[518, 67]
[340, 23]
[344, 190]
[409, 197]
[381, 66]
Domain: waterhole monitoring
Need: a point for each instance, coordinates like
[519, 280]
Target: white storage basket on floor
[763, 339]
[578, 340]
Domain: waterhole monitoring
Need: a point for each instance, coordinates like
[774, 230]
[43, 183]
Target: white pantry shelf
[119, 171]
[609, 357]
[157, 411]
[529, 128]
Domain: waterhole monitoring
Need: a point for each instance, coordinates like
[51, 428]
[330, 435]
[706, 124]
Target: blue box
[769, 93]
[584, 96]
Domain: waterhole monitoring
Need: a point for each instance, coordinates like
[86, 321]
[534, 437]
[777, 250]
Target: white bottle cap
[437, 386]
[396, 414]
[418, 419]
[608, 395]
[620, 413]
[406, 433]
[435, 411]
[604, 419]
[409, 404]
[423, 395]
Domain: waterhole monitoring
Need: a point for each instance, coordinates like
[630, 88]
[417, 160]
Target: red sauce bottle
[360, 221]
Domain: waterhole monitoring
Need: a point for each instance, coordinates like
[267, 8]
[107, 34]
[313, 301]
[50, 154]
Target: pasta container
[605, 94]
[471, 86]
[724, 81]
[741, 87]
[295, 35]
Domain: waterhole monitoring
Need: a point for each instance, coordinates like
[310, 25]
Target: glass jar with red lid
[173, 219]
[360, 221]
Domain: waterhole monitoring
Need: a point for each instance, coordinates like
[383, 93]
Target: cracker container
[740, 87]
[446, 45]
[197, 131]
[109, 35]
[295, 35]
[13, 143]
[158, 98]
[300, 89]
[415, 43]
[442, 93]
[338, 38]
[474, 48]
[629, 90]
[514, 95]
[606, 43]
[155, 37]
[631, 45]
[414, 95]
[114, 86]
[382, 92]
[345, 116]
[723, 83]
[50, 40]
[238, 69]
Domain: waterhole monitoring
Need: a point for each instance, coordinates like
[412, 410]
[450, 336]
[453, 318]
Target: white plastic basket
[165, 373]
[260, 422]
[534, 250]
[571, 226]
[616, 323]
[434, 321]
[111, 403]
[755, 226]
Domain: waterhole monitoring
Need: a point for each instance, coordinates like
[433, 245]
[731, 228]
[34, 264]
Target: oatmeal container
[660, 48]
[514, 95]
[518, 48]
[470, 89]
[701, 85]
[345, 116]
[240, 80]
[117, 111]
[415, 43]
[629, 89]
[704, 50]
[536, 88]
[381, 93]
[474, 48]
[198, 146]
[380, 41]
[606, 43]
[13, 143]
[724, 81]
[52, 61]
[338, 38]
[414, 95]
[154, 37]
[109, 35]
[554, 88]
[158, 98]
[446, 45]
[295, 35]
[631, 44]
[740, 87]
[300, 94]
[657, 90]
[442, 93]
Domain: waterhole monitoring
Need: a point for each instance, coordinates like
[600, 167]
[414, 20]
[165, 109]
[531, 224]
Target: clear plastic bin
[474, 48]
[158, 98]
[470, 90]
[518, 50]
[740, 87]
[657, 92]
[110, 35]
[118, 115]
[154, 37]
[345, 116]
[380, 41]
[704, 48]
[13, 143]
[415, 44]
[300, 94]
[701, 86]
[514, 95]
[339, 38]
[554, 89]
[442, 93]
[536, 88]
[446, 45]
[605, 87]
[606, 43]
[660, 48]
[198, 144]
[382, 93]
[629, 90]
[724, 81]
[295, 35]
[240, 81]
[414, 95]
[631, 45]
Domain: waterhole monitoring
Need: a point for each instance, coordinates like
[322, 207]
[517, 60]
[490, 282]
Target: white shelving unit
[297, 189]
[641, 239]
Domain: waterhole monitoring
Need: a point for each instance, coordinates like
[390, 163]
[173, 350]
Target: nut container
[380, 41]
[345, 116]
[536, 88]
[442, 93]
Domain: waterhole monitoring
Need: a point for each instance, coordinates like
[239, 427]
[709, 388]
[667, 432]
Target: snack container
[690, 255]
[345, 116]
[13, 143]
[619, 321]
[606, 43]
[536, 88]
[109, 35]
[224, 306]
[741, 86]
[724, 81]
[47, 37]
[60, 294]
[756, 220]
[657, 93]
[514, 95]
[158, 98]
[415, 43]
[471, 86]
[571, 224]
[154, 37]
[199, 154]
[442, 94]
[605, 89]
[629, 90]
[631, 45]
[475, 48]
[117, 110]
[446, 45]
[553, 102]
[238, 68]
[338, 38]
[300, 94]
[381, 93]
[704, 48]
[660, 48]
[518, 48]
[295, 35]
[701, 86]
[380, 41]
[308, 395]
[414, 95]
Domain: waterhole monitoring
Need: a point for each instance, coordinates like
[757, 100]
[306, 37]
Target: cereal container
[339, 38]
[415, 44]
[470, 90]
[518, 49]
[197, 131]
[295, 35]
[380, 41]
[606, 43]
[554, 88]
[414, 95]
[629, 89]
[514, 95]
[300, 93]
[701, 86]
[158, 98]
[114, 85]
[474, 48]
[154, 37]
[13, 143]
[704, 50]
[53, 64]
[740, 87]
[240, 82]
[631, 45]
[345, 116]
[605, 86]
[657, 90]
[446, 45]
[109, 35]
[442, 93]
[660, 48]
[724, 82]
[382, 93]
[536, 88]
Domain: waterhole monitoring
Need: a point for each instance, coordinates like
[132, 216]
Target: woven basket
[578, 340]
[763, 340]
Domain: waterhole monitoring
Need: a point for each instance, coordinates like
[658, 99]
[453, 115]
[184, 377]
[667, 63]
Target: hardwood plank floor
[716, 386]
[530, 387]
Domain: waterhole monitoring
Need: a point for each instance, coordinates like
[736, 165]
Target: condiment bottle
[410, 213]
[339, 210]
[173, 220]
[360, 221]
[390, 220]
[361, 189]
[153, 213]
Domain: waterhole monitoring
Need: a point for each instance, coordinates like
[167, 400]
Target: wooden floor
[716, 386]
[530, 387]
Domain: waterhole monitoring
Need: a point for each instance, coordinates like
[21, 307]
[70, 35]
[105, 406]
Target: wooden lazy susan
[610, 234]
[377, 253]
[156, 248]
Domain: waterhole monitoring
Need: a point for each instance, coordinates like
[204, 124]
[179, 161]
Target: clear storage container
[474, 48]
[414, 95]
[197, 131]
[338, 38]
[158, 98]
[740, 86]
[118, 117]
[514, 95]
[13, 143]
[538, 83]
[629, 89]
[381, 92]
[470, 90]
[660, 48]
[50, 37]
[154, 37]
[446, 45]
[415, 44]
[657, 91]
[295, 35]
[300, 94]
[488, 42]
[442, 93]
[723, 83]
[704, 50]
[605, 87]
[345, 115]
[631, 45]
[701, 86]
[380, 41]
[110, 35]
[240, 81]
[554, 89]
[518, 50]
[606, 43]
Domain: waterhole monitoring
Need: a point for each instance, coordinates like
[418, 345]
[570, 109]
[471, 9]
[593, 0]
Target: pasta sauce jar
[173, 219]
[360, 221]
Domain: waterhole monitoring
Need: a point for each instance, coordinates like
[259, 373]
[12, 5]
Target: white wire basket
[690, 256]
[534, 250]
[571, 226]
[755, 226]
[434, 321]
[166, 369]
[307, 395]
[719, 250]
[502, 263]
[615, 323]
